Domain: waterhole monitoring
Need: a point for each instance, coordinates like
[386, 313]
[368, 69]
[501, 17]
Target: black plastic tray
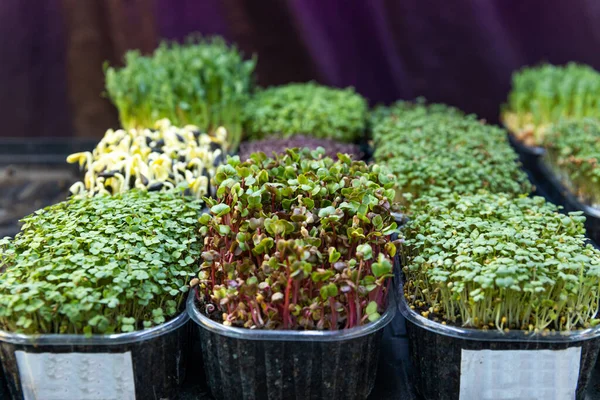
[42, 150]
[392, 383]
[273, 365]
[529, 158]
[159, 356]
[436, 360]
[557, 193]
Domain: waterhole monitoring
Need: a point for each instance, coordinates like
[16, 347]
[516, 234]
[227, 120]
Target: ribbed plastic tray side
[159, 355]
[436, 360]
[270, 369]
[435, 351]
[560, 195]
[272, 365]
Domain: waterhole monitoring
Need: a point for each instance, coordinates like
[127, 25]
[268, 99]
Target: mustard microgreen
[306, 108]
[397, 109]
[436, 151]
[492, 261]
[104, 264]
[573, 151]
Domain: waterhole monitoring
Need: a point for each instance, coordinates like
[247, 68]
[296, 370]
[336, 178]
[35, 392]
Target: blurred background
[460, 52]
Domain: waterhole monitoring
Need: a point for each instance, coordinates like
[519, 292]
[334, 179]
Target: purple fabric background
[33, 91]
[460, 52]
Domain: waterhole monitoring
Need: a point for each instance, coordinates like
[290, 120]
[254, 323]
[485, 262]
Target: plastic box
[59, 366]
[272, 365]
[559, 194]
[529, 158]
[438, 355]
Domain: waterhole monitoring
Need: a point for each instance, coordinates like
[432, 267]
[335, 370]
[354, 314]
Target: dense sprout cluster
[492, 261]
[158, 159]
[307, 108]
[203, 82]
[396, 110]
[544, 94]
[435, 151]
[99, 265]
[277, 145]
[573, 151]
[297, 242]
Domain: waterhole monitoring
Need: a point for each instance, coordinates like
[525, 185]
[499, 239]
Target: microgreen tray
[437, 353]
[154, 360]
[529, 157]
[275, 364]
[557, 193]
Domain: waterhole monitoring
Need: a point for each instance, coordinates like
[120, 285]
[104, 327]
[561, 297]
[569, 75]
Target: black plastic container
[44, 151]
[529, 158]
[444, 358]
[274, 365]
[148, 364]
[3, 390]
[557, 193]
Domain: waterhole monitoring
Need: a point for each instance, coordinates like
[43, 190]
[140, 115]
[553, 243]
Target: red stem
[387, 289]
[333, 314]
[296, 286]
[286, 304]
[347, 319]
[351, 312]
[358, 309]
[212, 274]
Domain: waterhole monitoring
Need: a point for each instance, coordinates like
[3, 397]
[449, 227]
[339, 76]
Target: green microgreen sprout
[306, 108]
[203, 82]
[164, 158]
[100, 265]
[397, 109]
[491, 261]
[546, 93]
[573, 151]
[297, 242]
[434, 150]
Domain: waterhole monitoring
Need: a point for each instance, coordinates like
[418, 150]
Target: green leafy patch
[309, 245]
[104, 264]
[203, 82]
[542, 95]
[306, 108]
[492, 261]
